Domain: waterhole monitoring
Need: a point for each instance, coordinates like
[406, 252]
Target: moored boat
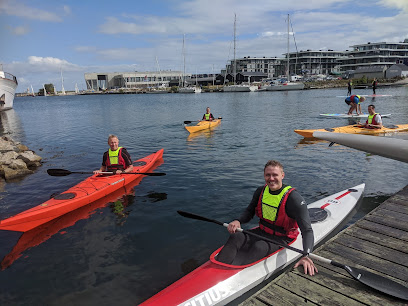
[356, 129]
[87, 191]
[203, 125]
[216, 283]
[8, 85]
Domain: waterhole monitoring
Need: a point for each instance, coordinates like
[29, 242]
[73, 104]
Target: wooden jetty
[377, 243]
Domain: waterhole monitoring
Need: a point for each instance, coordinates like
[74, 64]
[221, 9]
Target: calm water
[125, 252]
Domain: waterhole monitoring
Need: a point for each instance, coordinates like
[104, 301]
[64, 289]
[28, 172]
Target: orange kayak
[203, 125]
[355, 129]
[91, 189]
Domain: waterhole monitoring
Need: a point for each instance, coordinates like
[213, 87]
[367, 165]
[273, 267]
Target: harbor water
[122, 251]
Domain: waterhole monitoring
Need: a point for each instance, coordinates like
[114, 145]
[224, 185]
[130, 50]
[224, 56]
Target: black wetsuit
[252, 249]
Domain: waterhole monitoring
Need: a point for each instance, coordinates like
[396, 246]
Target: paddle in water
[63, 172]
[372, 280]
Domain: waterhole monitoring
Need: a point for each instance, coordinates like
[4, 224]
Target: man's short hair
[273, 163]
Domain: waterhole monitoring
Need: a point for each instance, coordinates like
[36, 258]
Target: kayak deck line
[89, 190]
[215, 283]
[362, 244]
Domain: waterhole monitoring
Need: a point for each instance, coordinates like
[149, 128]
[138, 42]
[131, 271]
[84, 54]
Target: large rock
[30, 158]
[7, 157]
[10, 173]
[15, 159]
[7, 144]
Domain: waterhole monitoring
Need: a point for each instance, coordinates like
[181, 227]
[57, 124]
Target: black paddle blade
[379, 283]
[58, 172]
[187, 122]
[149, 173]
[197, 217]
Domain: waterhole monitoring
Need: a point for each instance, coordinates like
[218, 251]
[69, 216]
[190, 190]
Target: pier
[377, 243]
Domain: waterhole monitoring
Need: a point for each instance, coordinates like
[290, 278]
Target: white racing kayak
[345, 115]
[216, 283]
[389, 147]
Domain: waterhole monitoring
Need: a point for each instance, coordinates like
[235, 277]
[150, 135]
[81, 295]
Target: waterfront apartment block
[110, 80]
[374, 54]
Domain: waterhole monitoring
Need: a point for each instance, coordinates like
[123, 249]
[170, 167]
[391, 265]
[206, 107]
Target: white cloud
[19, 30]
[18, 9]
[67, 9]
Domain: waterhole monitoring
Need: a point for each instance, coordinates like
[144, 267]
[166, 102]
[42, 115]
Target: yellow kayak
[356, 129]
[203, 125]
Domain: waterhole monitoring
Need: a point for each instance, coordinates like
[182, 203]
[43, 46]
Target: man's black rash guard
[296, 208]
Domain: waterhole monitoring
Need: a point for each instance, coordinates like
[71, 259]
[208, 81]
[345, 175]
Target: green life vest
[270, 203]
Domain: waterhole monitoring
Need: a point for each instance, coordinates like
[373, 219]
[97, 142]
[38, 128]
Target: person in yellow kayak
[116, 159]
[282, 211]
[374, 120]
[354, 102]
[208, 116]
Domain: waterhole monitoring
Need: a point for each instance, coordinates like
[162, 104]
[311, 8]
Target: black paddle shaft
[63, 172]
[375, 281]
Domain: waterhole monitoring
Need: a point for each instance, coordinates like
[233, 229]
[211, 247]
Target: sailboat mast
[288, 74]
[235, 34]
[184, 64]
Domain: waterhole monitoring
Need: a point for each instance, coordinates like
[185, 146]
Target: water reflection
[10, 123]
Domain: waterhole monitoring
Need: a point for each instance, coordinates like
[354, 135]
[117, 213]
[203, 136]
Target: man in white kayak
[282, 211]
[116, 159]
[374, 120]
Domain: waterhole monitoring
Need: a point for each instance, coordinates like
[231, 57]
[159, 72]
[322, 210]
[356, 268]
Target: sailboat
[62, 84]
[45, 92]
[276, 86]
[183, 88]
[235, 87]
[160, 88]
[76, 88]
[55, 91]
[32, 91]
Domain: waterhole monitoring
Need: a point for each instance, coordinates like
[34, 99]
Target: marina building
[132, 80]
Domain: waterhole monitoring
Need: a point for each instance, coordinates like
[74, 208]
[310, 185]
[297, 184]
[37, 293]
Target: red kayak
[91, 189]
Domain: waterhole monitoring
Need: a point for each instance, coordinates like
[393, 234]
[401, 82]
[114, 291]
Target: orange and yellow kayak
[91, 189]
[355, 129]
[203, 125]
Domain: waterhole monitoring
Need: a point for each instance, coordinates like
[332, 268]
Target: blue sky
[42, 37]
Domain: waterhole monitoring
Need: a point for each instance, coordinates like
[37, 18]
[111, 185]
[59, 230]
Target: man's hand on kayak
[308, 265]
[232, 227]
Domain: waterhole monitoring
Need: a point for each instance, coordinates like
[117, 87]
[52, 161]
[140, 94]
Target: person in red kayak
[208, 116]
[116, 159]
[282, 212]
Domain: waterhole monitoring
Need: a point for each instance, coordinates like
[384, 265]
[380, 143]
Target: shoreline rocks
[16, 160]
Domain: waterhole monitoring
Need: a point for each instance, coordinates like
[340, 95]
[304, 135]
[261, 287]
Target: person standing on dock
[374, 85]
[282, 211]
[116, 159]
[208, 116]
[349, 84]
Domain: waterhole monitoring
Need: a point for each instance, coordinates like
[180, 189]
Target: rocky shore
[16, 160]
